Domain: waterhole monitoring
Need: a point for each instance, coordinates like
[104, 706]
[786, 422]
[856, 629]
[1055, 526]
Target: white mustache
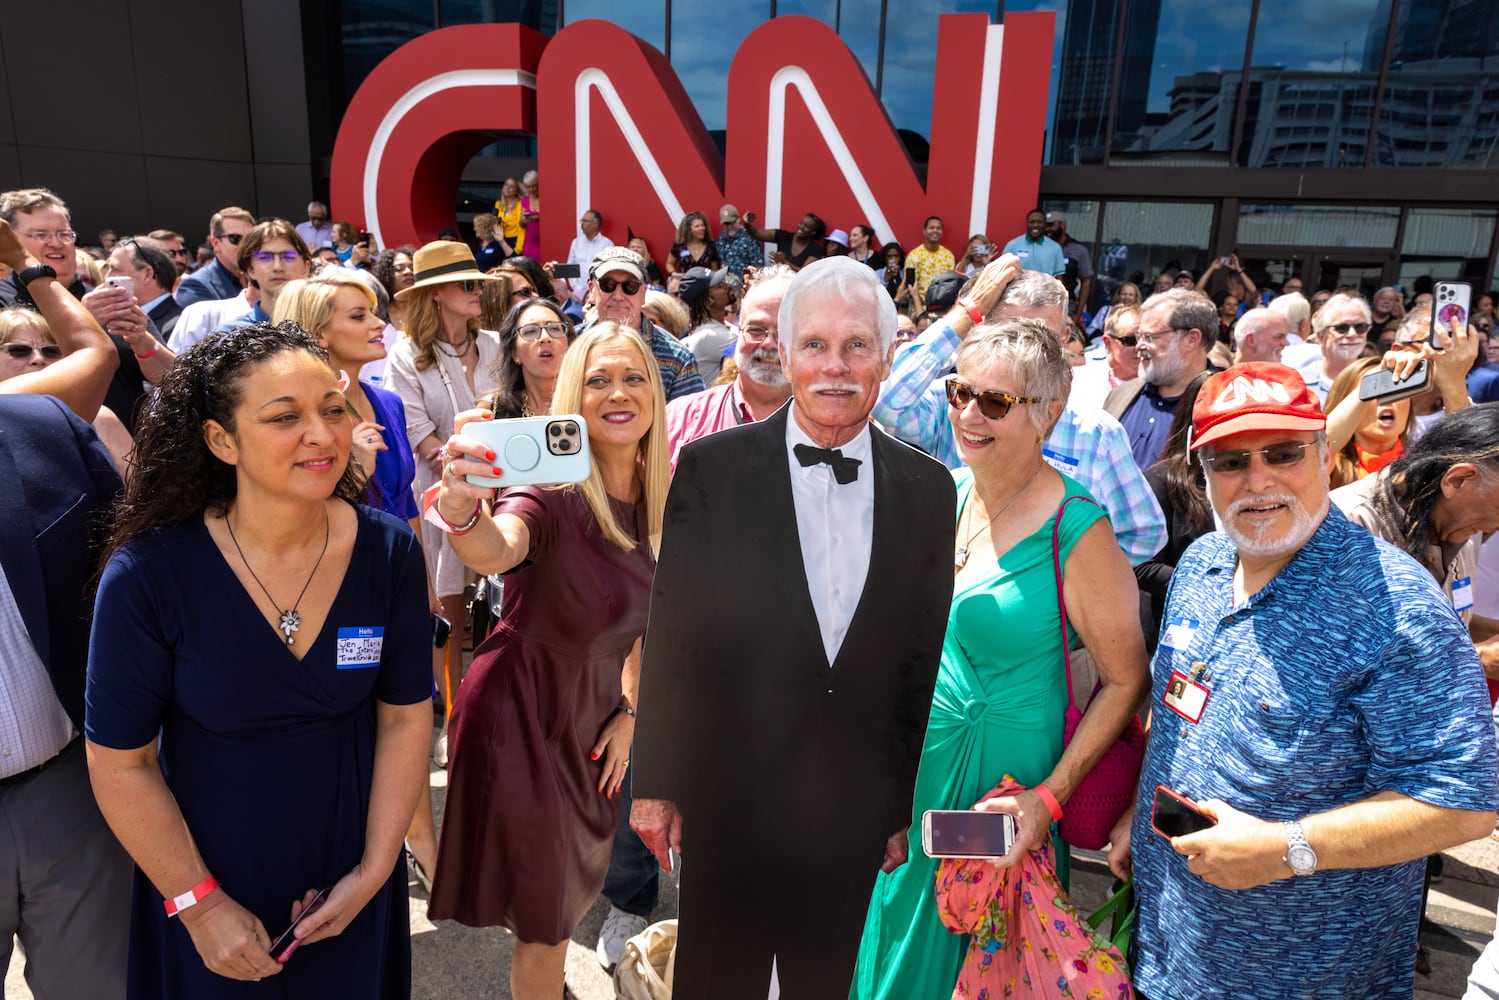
[763, 357]
[1284, 499]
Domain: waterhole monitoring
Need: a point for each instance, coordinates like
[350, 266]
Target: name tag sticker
[1179, 633]
[359, 647]
[1062, 463]
[1185, 697]
[1462, 593]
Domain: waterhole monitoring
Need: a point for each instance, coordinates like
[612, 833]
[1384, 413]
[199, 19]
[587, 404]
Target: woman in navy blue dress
[258, 682]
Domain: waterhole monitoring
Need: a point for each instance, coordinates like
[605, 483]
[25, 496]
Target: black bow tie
[845, 470]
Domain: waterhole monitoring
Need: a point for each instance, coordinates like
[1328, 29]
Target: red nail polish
[593, 756]
[496, 471]
[489, 455]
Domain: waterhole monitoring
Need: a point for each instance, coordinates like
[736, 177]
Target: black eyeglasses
[1285, 453]
[1344, 329]
[608, 285]
[233, 238]
[533, 331]
[992, 403]
[23, 352]
[1129, 341]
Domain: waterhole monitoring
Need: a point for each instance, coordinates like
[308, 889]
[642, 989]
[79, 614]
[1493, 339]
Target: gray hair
[838, 277]
[1032, 290]
[1033, 353]
[1293, 306]
[312, 205]
[773, 275]
[529, 178]
[1323, 319]
[1415, 325]
[1189, 310]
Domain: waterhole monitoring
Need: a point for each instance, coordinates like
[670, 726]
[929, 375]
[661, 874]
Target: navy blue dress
[269, 758]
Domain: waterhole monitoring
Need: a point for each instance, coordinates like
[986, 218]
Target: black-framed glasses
[179, 252]
[24, 352]
[533, 331]
[269, 256]
[1129, 341]
[1344, 329]
[992, 403]
[233, 238]
[608, 285]
[1237, 460]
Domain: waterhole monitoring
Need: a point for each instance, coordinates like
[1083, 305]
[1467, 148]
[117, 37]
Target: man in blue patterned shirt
[1315, 693]
[737, 246]
[1086, 443]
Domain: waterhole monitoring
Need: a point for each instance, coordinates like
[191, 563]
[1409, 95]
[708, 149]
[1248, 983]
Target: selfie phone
[749, 217]
[1175, 816]
[910, 275]
[120, 281]
[964, 833]
[1381, 385]
[566, 271]
[1225, 261]
[1450, 303]
[285, 946]
[365, 236]
[534, 450]
[441, 629]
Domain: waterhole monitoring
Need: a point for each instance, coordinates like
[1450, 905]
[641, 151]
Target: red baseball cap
[1254, 396]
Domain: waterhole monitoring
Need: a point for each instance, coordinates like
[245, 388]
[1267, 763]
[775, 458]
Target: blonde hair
[88, 268]
[1345, 467]
[18, 318]
[424, 324]
[654, 470]
[670, 313]
[485, 223]
[308, 302]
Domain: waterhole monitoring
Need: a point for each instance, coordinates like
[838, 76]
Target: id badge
[359, 648]
[1462, 594]
[1066, 464]
[1179, 633]
[1186, 697]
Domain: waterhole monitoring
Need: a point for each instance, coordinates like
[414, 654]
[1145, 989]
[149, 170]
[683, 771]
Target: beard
[1163, 369]
[1259, 541]
[764, 369]
[1346, 352]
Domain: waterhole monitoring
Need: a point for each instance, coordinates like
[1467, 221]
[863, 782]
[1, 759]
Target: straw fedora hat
[443, 261]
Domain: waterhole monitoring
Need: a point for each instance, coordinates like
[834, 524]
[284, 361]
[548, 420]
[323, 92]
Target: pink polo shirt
[702, 413]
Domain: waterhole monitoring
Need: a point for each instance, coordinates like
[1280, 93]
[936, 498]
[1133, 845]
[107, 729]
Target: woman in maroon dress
[541, 729]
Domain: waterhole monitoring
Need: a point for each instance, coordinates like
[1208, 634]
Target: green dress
[1001, 694]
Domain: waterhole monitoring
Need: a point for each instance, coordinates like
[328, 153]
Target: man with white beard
[1318, 700]
[1341, 327]
[1177, 330]
[760, 387]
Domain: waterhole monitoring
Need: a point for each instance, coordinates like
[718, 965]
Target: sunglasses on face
[233, 238]
[533, 331]
[1129, 341]
[23, 352]
[1285, 453]
[1344, 329]
[269, 256]
[468, 285]
[992, 403]
[608, 285]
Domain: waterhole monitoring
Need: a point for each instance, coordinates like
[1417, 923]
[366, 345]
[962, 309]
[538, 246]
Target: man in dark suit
[796, 626]
[220, 277]
[70, 879]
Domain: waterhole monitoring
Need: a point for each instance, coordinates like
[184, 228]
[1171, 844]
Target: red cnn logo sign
[616, 131]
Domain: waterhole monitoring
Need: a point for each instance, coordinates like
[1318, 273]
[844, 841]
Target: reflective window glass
[911, 55]
[532, 13]
[1311, 89]
[1195, 55]
[1441, 101]
[858, 24]
[1318, 225]
[1140, 240]
[373, 29]
[1448, 231]
[646, 21]
[1082, 77]
[704, 38]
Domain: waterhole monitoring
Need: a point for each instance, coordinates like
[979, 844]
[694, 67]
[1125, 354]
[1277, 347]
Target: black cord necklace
[290, 618]
[459, 354]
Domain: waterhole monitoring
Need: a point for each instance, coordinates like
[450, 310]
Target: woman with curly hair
[693, 246]
[258, 685]
[394, 269]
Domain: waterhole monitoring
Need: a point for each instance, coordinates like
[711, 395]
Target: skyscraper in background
[1079, 133]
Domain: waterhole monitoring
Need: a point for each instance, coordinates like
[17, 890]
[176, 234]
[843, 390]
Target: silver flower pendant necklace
[291, 618]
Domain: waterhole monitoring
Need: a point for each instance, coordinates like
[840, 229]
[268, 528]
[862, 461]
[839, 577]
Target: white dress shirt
[33, 726]
[581, 252]
[835, 523]
[201, 318]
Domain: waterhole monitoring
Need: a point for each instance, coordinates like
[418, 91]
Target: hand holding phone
[966, 833]
[566, 271]
[911, 276]
[285, 946]
[534, 450]
[749, 217]
[1176, 815]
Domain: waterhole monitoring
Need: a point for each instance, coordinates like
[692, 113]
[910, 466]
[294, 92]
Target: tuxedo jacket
[742, 720]
[58, 490]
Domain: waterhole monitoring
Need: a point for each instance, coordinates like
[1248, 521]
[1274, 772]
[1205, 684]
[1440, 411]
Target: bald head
[1261, 335]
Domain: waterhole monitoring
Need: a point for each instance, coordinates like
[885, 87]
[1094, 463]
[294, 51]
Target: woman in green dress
[1001, 690]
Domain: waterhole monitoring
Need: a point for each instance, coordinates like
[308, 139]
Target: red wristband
[149, 354]
[1051, 801]
[973, 311]
[191, 897]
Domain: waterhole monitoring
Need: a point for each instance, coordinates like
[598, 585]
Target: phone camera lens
[554, 430]
[564, 445]
[572, 428]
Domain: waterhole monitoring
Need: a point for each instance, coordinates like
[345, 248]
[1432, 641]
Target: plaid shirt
[1086, 444]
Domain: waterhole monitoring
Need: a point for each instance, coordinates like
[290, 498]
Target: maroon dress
[526, 833]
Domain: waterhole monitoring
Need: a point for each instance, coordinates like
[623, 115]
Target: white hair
[1293, 306]
[839, 278]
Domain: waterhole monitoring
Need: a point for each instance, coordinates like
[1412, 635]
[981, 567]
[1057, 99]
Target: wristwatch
[35, 271]
[1299, 854]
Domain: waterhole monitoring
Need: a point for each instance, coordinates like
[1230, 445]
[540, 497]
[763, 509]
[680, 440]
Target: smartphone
[120, 281]
[1450, 303]
[983, 248]
[1174, 815]
[441, 629]
[964, 833]
[749, 217]
[285, 946]
[366, 237]
[566, 271]
[910, 275]
[1380, 384]
[534, 450]
[1225, 262]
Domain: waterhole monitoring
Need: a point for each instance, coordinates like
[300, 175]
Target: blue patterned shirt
[1086, 444]
[739, 251]
[1348, 674]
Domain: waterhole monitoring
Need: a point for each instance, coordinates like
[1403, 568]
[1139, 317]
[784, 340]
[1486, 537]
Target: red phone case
[1185, 802]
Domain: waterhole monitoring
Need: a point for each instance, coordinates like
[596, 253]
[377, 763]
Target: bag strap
[1056, 562]
[1110, 905]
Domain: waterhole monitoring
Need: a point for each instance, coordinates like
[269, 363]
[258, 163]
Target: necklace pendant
[290, 620]
[961, 557]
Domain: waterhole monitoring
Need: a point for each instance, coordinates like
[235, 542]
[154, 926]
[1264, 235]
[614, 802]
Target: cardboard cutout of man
[796, 625]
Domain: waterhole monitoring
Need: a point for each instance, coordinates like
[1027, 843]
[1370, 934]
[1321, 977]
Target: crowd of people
[852, 517]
